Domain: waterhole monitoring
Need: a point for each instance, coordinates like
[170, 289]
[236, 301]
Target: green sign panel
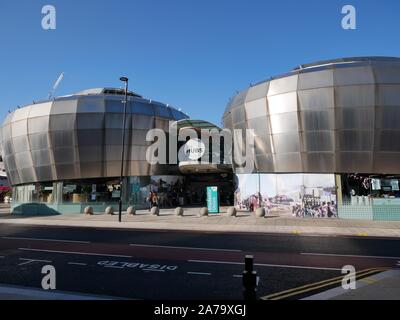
[212, 200]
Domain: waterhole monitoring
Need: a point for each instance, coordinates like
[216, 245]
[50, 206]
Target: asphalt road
[183, 265]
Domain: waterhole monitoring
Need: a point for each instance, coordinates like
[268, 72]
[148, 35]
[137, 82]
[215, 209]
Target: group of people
[324, 210]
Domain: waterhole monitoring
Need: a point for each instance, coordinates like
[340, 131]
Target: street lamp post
[126, 80]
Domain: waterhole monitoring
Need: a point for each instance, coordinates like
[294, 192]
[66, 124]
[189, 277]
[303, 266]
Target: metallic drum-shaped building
[67, 152]
[333, 117]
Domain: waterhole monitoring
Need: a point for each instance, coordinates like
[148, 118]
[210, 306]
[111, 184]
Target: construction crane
[55, 86]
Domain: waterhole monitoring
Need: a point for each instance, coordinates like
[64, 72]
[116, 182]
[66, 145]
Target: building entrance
[196, 188]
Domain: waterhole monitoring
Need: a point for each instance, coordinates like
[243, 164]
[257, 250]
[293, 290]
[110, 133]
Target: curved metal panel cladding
[335, 117]
[81, 137]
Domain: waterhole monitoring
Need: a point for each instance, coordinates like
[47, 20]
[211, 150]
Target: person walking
[149, 200]
[154, 200]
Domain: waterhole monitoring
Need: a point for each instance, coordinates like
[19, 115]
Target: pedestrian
[154, 200]
[149, 200]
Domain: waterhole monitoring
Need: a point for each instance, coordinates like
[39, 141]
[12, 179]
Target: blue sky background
[192, 54]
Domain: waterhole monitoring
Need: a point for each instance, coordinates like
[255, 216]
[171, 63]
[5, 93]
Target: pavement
[243, 223]
[8, 292]
[382, 286]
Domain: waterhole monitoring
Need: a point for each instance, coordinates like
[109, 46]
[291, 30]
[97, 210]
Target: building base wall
[369, 212]
[44, 209]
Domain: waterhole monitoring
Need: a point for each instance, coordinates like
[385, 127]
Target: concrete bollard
[203, 212]
[179, 211]
[131, 211]
[260, 213]
[155, 211]
[88, 210]
[109, 210]
[231, 212]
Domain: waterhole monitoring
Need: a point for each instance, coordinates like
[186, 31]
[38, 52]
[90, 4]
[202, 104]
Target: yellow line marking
[314, 284]
[317, 285]
[363, 234]
[368, 280]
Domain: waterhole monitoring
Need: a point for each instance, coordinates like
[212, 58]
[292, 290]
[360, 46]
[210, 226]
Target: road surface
[140, 264]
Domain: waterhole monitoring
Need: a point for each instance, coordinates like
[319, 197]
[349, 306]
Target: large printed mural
[301, 195]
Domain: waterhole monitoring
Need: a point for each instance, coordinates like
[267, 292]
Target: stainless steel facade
[79, 137]
[338, 116]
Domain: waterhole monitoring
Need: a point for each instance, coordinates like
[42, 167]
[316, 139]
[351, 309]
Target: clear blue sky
[192, 54]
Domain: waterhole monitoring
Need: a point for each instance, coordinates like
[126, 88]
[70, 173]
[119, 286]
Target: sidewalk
[244, 222]
[10, 292]
[383, 286]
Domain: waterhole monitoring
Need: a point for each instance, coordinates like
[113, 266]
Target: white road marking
[154, 270]
[41, 239]
[237, 276]
[74, 252]
[185, 248]
[266, 265]
[27, 261]
[348, 255]
[77, 263]
[200, 273]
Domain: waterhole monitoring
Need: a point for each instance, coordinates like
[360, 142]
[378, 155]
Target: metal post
[249, 278]
[126, 80]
